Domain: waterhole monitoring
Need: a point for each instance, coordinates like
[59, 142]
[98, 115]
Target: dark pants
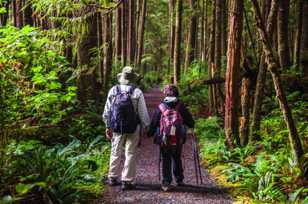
[172, 154]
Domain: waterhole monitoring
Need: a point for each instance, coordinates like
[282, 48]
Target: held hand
[109, 133]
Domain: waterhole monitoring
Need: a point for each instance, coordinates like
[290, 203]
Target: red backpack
[172, 129]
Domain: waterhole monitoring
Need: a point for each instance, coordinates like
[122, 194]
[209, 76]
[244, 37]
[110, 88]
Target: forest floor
[147, 182]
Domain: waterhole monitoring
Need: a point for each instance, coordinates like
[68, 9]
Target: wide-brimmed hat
[127, 76]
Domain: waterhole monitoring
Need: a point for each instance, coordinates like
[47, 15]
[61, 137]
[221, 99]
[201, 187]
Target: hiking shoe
[127, 186]
[165, 187]
[112, 182]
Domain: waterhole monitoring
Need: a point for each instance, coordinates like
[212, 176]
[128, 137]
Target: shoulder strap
[118, 89]
[162, 107]
[131, 90]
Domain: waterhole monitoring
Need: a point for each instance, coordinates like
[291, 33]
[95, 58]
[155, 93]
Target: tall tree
[140, 35]
[177, 41]
[298, 31]
[304, 41]
[192, 35]
[86, 81]
[118, 33]
[171, 31]
[232, 73]
[124, 12]
[28, 13]
[17, 13]
[282, 28]
[218, 48]
[107, 40]
[131, 32]
[273, 69]
[211, 60]
[269, 15]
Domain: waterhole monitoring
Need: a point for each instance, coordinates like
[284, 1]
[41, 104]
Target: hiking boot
[127, 186]
[112, 182]
[165, 187]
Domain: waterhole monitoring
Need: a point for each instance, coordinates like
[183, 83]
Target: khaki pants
[128, 142]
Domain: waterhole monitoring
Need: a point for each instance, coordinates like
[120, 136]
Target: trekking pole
[195, 160]
[159, 164]
[198, 156]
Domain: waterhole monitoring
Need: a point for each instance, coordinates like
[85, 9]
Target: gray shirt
[138, 103]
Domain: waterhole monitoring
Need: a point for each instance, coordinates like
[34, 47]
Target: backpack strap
[131, 90]
[118, 89]
[162, 107]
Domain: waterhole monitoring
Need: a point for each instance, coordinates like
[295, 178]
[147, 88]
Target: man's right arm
[106, 112]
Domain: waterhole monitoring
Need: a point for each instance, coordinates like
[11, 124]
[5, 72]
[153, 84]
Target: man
[122, 127]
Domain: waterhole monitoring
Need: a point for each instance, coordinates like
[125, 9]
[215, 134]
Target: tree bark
[298, 31]
[217, 55]
[270, 16]
[86, 81]
[282, 30]
[177, 41]
[171, 32]
[18, 20]
[141, 34]
[118, 33]
[232, 73]
[273, 69]
[224, 24]
[124, 9]
[28, 13]
[131, 32]
[211, 59]
[244, 120]
[107, 49]
[192, 35]
[304, 41]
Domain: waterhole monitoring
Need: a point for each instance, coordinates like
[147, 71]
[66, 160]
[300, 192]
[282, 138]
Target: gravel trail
[148, 185]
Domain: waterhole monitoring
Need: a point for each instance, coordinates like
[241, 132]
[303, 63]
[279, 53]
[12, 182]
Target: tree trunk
[86, 81]
[298, 31]
[131, 32]
[124, 9]
[304, 41]
[270, 16]
[232, 73]
[171, 32]
[282, 30]
[118, 33]
[273, 69]
[192, 35]
[18, 20]
[217, 59]
[107, 49]
[224, 24]
[177, 41]
[244, 120]
[141, 34]
[28, 13]
[211, 59]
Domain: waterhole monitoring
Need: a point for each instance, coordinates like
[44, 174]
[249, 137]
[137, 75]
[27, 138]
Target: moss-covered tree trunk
[192, 35]
[282, 31]
[270, 15]
[141, 34]
[177, 41]
[273, 69]
[232, 73]
[304, 41]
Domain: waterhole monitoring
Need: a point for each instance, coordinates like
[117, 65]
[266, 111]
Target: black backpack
[123, 117]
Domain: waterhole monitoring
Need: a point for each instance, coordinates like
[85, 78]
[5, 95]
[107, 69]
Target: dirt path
[147, 182]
